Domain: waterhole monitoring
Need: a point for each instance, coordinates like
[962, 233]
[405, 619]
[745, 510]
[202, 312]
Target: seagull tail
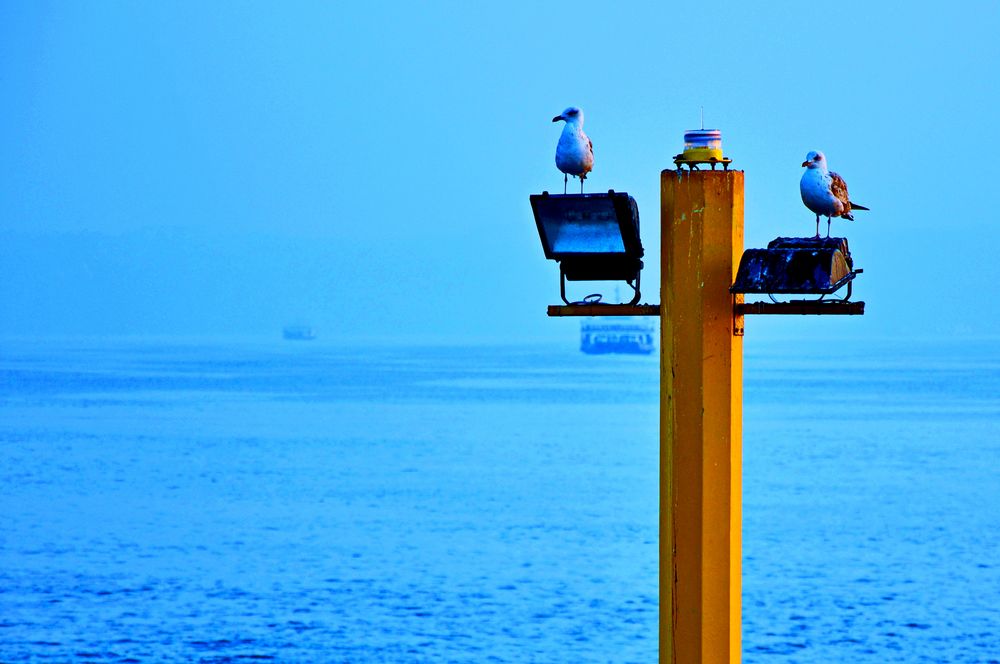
[855, 206]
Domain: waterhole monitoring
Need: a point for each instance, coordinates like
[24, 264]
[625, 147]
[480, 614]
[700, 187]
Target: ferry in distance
[298, 333]
[618, 335]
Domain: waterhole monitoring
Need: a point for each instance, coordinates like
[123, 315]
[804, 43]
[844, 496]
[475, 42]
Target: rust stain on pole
[701, 411]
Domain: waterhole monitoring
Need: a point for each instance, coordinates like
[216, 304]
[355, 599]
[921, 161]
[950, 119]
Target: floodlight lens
[587, 226]
[584, 237]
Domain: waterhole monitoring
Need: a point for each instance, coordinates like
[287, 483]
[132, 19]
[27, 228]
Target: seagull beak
[558, 118]
[805, 163]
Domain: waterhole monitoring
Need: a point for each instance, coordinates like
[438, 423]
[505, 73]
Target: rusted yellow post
[701, 412]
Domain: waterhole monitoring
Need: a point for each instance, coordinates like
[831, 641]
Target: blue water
[301, 502]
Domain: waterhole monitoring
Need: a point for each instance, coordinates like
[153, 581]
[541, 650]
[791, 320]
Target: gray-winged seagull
[575, 152]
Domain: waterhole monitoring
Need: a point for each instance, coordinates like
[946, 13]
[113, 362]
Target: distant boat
[298, 333]
[617, 335]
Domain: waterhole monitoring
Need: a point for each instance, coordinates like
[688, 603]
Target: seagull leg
[817, 225]
[566, 179]
[582, 178]
[828, 226]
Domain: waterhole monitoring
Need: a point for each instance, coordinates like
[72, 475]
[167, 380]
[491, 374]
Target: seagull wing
[839, 189]
[590, 145]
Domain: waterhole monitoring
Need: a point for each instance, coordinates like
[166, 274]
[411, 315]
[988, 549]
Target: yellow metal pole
[701, 412]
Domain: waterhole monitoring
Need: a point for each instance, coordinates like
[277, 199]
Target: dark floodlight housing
[593, 237]
[803, 265]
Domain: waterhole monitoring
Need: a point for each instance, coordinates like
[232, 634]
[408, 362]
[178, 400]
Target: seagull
[824, 192]
[575, 152]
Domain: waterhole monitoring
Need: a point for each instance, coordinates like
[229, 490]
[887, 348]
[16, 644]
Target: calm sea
[302, 502]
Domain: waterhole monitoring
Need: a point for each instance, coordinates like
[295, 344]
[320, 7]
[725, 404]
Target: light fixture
[593, 237]
[793, 265]
[702, 146]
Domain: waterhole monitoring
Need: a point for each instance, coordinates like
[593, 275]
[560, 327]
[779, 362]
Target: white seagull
[575, 152]
[824, 192]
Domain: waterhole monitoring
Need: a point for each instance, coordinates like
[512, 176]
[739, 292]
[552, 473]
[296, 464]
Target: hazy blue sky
[225, 168]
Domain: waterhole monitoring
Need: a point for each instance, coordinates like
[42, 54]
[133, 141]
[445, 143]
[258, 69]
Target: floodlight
[593, 237]
[817, 266]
